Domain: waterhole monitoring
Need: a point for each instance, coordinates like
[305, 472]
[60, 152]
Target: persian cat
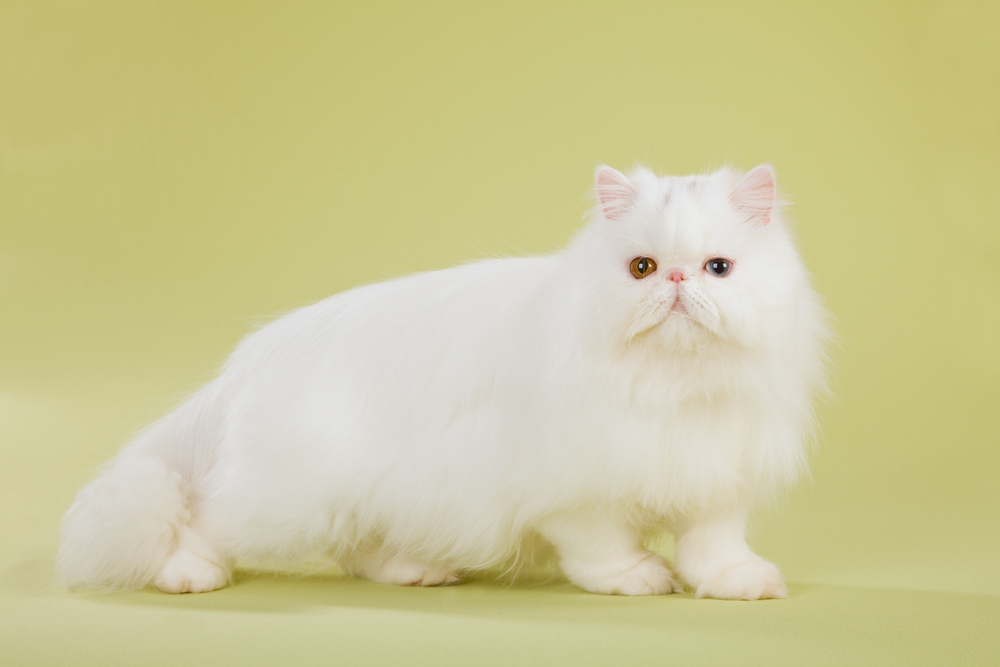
[656, 375]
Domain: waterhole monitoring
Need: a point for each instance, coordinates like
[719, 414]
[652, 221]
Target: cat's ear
[756, 194]
[615, 192]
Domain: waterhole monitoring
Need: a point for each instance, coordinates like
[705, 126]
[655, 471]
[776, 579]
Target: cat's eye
[642, 267]
[719, 267]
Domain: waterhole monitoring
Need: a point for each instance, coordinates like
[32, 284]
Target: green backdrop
[172, 172]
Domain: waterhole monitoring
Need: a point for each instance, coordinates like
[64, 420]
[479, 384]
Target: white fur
[423, 427]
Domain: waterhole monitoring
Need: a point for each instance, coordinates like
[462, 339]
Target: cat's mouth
[670, 315]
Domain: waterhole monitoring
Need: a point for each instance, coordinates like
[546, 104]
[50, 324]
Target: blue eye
[719, 267]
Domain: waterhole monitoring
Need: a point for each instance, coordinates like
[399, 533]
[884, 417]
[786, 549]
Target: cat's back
[413, 324]
[376, 378]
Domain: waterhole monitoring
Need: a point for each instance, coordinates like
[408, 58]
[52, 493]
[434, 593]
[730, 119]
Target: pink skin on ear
[614, 191]
[754, 195]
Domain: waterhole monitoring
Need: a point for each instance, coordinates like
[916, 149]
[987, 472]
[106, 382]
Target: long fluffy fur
[446, 415]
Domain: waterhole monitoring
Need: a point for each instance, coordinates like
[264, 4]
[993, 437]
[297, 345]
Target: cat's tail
[124, 525]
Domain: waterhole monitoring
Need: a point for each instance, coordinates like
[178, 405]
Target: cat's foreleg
[713, 558]
[603, 554]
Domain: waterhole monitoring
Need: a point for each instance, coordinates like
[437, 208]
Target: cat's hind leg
[193, 567]
[398, 570]
[602, 554]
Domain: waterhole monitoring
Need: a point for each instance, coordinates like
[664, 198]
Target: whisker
[646, 309]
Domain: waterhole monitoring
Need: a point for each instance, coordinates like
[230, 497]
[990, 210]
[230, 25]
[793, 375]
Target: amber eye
[642, 267]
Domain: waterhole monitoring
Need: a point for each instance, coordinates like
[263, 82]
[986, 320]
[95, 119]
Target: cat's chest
[669, 457]
[642, 431]
[678, 428]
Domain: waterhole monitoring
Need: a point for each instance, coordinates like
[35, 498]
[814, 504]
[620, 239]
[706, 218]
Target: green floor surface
[343, 621]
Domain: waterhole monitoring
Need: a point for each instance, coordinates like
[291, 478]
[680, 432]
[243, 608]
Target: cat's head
[688, 262]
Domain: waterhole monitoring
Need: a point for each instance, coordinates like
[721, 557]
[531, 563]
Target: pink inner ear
[614, 191]
[754, 195]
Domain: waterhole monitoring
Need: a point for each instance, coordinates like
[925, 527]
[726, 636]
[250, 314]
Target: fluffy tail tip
[123, 525]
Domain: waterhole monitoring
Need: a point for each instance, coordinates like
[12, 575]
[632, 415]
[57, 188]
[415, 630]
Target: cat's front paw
[650, 576]
[755, 580]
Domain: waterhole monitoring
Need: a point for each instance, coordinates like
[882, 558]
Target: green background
[173, 172]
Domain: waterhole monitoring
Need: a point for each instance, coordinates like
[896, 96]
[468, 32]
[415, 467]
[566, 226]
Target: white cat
[657, 374]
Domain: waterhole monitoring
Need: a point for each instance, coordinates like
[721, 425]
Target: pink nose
[677, 275]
